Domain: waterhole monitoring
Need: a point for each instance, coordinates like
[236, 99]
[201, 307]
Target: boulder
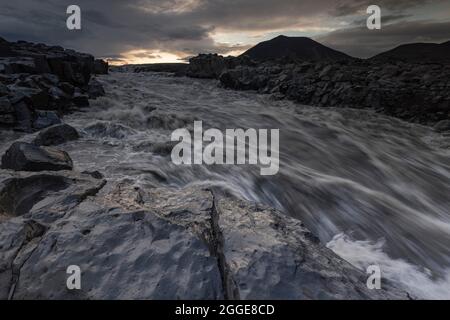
[95, 89]
[22, 156]
[55, 135]
[80, 99]
[24, 116]
[45, 119]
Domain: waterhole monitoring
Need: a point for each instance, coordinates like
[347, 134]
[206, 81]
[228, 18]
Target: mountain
[418, 52]
[298, 48]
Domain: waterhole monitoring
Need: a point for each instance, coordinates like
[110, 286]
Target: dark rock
[5, 106]
[94, 174]
[3, 90]
[55, 135]
[24, 116]
[100, 66]
[38, 98]
[45, 77]
[212, 65]
[95, 89]
[22, 156]
[68, 88]
[45, 119]
[179, 69]
[80, 100]
[397, 89]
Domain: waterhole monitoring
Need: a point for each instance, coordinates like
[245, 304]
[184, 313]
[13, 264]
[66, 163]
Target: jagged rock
[22, 156]
[212, 65]
[44, 77]
[38, 98]
[100, 66]
[95, 89]
[413, 92]
[24, 116]
[45, 119]
[80, 99]
[56, 134]
[7, 116]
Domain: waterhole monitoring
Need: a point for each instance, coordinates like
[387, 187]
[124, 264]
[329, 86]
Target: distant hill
[297, 48]
[418, 52]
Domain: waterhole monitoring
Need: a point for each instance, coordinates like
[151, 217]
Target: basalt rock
[45, 119]
[417, 92]
[56, 135]
[100, 66]
[211, 66]
[41, 77]
[22, 156]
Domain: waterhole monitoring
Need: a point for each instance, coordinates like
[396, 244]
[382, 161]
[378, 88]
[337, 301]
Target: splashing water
[342, 171]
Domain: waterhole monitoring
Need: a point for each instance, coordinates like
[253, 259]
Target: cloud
[185, 27]
[361, 42]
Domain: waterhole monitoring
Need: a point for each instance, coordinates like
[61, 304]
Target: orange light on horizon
[143, 56]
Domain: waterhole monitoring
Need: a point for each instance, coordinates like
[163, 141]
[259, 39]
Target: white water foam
[418, 282]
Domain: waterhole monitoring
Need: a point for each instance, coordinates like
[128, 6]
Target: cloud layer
[152, 29]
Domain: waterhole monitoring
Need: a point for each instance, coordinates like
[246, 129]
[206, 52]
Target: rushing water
[376, 190]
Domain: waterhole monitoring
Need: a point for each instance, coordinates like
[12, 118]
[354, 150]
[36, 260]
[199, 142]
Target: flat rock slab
[121, 256]
[262, 253]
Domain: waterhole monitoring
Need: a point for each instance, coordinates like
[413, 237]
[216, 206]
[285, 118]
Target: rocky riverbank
[416, 92]
[40, 83]
[157, 243]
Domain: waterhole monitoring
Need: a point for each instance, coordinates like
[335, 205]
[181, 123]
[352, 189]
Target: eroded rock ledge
[159, 243]
[40, 83]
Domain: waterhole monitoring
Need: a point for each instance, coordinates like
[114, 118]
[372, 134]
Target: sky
[152, 31]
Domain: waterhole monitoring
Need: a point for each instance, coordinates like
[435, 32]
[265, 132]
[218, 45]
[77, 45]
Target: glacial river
[375, 190]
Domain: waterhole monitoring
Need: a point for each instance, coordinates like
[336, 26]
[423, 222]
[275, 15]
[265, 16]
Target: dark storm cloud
[185, 27]
[344, 8]
[361, 42]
